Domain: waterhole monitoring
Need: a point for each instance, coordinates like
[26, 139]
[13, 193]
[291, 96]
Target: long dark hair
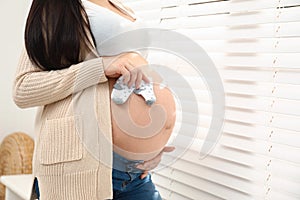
[57, 33]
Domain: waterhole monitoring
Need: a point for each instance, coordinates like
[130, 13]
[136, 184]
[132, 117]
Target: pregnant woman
[60, 62]
[108, 19]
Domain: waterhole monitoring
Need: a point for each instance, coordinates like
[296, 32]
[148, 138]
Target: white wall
[12, 19]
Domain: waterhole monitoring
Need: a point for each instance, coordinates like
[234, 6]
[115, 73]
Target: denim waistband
[123, 164]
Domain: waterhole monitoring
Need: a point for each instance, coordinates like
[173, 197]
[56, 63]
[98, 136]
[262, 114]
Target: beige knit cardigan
[64, 167]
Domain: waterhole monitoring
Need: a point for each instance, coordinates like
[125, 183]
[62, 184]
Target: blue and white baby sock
[121, 92]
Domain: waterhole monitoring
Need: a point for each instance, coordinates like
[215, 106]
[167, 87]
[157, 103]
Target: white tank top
[106, 24]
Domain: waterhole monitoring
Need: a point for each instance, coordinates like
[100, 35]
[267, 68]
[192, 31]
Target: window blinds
[255, 44]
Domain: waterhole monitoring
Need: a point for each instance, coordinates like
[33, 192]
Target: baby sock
[146, 91]
[121, 92]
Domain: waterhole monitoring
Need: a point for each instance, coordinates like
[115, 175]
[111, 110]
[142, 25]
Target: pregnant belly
[142, 135]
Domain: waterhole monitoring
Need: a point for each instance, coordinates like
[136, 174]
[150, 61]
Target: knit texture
[63, 166]
[34, 87]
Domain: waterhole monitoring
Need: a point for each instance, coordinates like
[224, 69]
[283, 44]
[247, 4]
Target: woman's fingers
[125, 72]
[138, 80]
[153, 163]
[145, 78]
[168, 149]
[130, 70]
[131, 76]
[150, 164]
[144, 174]
[135, 75]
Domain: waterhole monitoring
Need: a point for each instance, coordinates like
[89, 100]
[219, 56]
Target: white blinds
[255, 44]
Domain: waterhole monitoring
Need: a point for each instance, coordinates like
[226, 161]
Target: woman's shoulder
[124, 7]
[93, 9]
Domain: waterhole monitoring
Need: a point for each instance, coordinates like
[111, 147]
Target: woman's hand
[153, 163]
[128, 65]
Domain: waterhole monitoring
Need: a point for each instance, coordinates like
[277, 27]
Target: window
[255, 45]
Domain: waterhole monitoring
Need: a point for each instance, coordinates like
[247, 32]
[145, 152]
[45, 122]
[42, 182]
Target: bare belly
[136, 144]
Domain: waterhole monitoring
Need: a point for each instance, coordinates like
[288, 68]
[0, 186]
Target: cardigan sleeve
[35, 87]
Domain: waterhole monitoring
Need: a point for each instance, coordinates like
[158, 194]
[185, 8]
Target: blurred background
[12, 18]
[255, 47]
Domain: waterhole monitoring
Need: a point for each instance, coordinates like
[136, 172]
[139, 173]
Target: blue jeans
[127, 184]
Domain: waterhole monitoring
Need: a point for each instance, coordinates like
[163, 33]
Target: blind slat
[254, 46]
